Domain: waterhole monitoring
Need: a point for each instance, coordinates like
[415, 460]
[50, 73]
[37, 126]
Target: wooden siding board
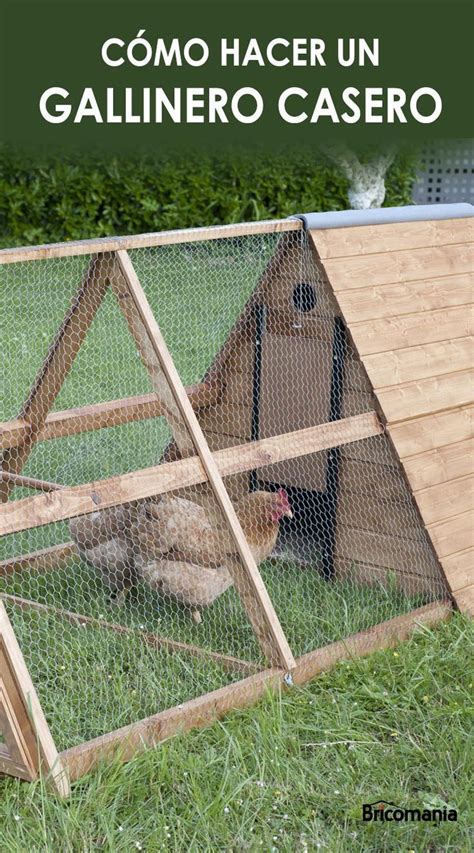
[372, 514]
[376, 301]
[405, 293]
[426, 396]
[409, 330]
[432, 431]
[378, 449]
[393, 552]
[440, 465]
[444, 500]
[355, 376]
[370, 239]
[403, 265]
[371, 478]
[228, 418]
[419, 362]
[453, 535]
[465, 599]
[459, 569]
[360, 572]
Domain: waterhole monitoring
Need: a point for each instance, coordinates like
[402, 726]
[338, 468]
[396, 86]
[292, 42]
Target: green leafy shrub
[70, 198]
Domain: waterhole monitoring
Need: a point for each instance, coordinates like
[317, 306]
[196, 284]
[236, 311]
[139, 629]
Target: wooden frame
[245, 574]
[37, 744]
[118, 271]
[100, 415]
[406, 295]
[111, 267]
[125, 743]
[159, 238]
[56, 366]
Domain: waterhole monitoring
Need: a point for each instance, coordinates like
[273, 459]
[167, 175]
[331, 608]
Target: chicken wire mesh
[136, 608]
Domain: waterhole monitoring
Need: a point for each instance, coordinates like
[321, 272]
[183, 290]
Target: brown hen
[172, 545]
[180, 554]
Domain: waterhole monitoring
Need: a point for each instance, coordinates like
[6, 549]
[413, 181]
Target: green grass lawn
[289, 774]
[123, 680]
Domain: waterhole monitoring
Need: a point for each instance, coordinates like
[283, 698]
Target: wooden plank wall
[405, 291]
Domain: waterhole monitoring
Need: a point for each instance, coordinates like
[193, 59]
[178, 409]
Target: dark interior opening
[304, 297]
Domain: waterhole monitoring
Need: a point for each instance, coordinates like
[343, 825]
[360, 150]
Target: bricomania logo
[384, 811]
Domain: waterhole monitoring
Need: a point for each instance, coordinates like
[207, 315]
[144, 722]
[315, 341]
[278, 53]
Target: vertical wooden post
[29, 745]
[246, 576]
[56, 366]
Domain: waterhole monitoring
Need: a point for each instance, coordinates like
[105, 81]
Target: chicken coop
[230, 457]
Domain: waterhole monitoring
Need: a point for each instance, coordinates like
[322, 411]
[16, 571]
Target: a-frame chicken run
[230, 457]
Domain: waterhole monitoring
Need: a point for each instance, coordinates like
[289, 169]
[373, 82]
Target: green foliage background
[75, 197]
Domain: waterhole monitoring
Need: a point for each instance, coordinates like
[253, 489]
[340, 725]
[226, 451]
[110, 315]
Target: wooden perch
[29, 482]
[89, 497]
[44, 560]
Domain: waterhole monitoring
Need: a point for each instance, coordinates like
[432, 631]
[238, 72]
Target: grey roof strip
[385, 215]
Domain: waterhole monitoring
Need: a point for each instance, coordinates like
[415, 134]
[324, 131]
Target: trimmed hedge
[71, 198]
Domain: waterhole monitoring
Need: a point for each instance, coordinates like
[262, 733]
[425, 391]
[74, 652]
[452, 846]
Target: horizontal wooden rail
[123, 744]
[151, 639]
[169, 476]
[139, 241]
[28, 482]
[54, 557]
[99, 415]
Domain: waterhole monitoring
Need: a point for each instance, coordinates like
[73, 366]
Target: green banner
[174, 73]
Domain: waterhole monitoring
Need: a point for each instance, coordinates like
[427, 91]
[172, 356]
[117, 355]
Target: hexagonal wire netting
[134, 608]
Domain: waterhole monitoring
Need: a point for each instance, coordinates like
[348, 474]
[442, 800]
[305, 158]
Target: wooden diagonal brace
[168, 406]
[56, 366]
[190, 438]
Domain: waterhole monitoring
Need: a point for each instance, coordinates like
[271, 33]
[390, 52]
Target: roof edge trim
[385, 215]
